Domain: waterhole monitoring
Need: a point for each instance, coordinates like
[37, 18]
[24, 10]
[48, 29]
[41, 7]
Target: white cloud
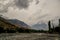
[45, 10]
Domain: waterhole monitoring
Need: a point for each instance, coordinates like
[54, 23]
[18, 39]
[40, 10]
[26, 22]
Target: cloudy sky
[30, 11]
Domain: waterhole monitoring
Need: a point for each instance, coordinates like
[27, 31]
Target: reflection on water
[29, 36]
[47, 38]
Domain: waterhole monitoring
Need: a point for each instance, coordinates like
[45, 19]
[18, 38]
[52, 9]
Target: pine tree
[49, 25]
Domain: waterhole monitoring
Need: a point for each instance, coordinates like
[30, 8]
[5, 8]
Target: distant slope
[18, 23]
[39, 26]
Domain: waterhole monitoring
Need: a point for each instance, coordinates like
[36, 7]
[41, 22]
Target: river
[29, 36]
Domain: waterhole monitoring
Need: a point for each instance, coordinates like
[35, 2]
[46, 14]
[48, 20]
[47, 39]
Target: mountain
[8, 27]
[18, 23]
[39, 26]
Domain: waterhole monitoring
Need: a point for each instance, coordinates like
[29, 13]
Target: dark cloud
[22, 3]
[37, 1]
[3, 9]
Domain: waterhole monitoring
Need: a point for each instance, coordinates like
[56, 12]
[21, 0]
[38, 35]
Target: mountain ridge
[18, 23]
[39, 26]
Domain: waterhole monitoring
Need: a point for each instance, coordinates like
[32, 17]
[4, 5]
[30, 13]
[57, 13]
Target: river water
[29, 36]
